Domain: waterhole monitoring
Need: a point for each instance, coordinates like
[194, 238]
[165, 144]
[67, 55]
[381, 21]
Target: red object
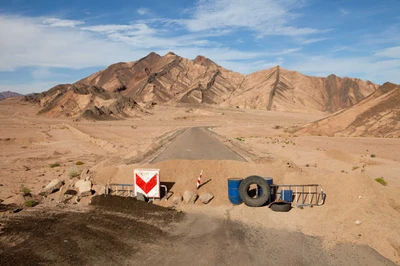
[146, 186]
[199, 179]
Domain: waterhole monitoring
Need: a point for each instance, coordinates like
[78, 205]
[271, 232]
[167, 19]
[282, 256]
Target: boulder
[84, 188]
[190, 196]
[17, 199]
[177, 199]
[53, 186]
[206, 198]
[140, 197]
[99, 189]
[69, 194]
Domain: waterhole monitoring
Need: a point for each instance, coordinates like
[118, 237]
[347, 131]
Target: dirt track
[197, 144]
[123, 231]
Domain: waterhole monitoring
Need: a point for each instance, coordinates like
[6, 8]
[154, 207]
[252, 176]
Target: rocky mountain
[376, 115]
[82, 101]
[115, 91]
[174, 79]
[8, 94]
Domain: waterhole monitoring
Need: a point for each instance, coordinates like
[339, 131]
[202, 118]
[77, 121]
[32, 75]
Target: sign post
[147, 182]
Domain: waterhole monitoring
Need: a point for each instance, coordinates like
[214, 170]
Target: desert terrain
[35, 149]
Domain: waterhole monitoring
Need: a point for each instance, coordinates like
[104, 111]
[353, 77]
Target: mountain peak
[204, 61]
[8, 94]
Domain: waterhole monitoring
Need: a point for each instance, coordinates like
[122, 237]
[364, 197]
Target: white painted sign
[147, 182]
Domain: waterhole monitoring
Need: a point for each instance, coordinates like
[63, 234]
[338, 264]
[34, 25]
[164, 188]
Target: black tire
[281, 206]
[261, 199]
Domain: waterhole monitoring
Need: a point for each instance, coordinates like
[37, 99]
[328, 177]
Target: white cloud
[99, 45]
[392, 52]
[344, 12]
[267, 17]
[41, 73]
[143, 11]
[44, 73]
[287, 51]
[133, 29]
[27, 42]
[108, 28]
[313, 40]
[343, 48]
[366, 67]
[55, 22]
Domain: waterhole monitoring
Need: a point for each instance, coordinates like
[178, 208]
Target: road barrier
[302, 195]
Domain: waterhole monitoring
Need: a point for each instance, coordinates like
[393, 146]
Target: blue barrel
[270, 182]
[287, 195]
[233, 190]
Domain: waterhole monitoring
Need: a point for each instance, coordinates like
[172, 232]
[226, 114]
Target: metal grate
[122, 190]
[303, 195]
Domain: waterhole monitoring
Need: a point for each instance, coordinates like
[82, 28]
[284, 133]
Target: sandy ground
[123, 231]
[345, 167]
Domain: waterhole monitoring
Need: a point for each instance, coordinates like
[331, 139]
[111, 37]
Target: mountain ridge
[172, 78]
[376, 115]
[8, 94]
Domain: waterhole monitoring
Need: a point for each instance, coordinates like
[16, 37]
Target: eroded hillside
[376, 115]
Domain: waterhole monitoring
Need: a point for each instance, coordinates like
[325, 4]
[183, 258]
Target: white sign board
[147, 182]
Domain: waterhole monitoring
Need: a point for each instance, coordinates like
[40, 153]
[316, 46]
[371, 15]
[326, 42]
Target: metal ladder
[308, 195]
[122, 190]
[126, 190]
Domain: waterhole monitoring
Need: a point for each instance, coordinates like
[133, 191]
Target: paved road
[197, 144]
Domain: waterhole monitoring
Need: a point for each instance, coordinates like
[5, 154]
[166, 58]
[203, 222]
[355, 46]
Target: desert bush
[30, 203]
[373, 155]
[26, 191]
[240, 138]
[355, 167]
[80, 163]
[381, 181]
[277, 127]
[73, 172]
[53, 165]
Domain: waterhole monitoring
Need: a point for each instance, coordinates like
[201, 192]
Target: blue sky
[44, 43]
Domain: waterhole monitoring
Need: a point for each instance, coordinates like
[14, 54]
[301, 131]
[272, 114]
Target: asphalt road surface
[197, 144]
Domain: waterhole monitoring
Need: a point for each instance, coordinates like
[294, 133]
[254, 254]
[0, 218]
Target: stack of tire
[262, 198]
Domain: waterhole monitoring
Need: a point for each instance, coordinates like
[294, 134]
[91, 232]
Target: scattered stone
[53, 186]
[140, 197]
[72, 181]
[17, 210]
[27, 168]
[84, 188]
[99, 189]
[177, 199]
[206, 198]
[17, 199]
[77, 200]
[358, 222]
[359, 197]
[69, 194]
[190, 196]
